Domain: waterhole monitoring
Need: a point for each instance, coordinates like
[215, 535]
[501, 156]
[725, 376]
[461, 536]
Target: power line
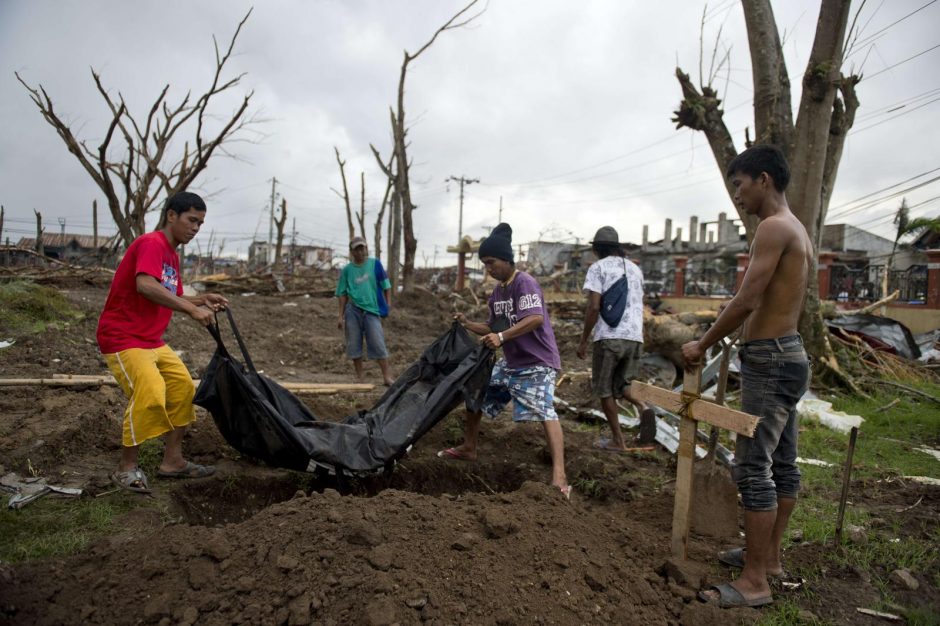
[857, 45]
[891, 67]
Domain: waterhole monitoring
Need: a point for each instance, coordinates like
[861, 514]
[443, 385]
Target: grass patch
[31, 308]
[57, 527]
[787, 613]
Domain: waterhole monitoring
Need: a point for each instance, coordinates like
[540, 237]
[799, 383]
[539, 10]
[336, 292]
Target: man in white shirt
[618, 345]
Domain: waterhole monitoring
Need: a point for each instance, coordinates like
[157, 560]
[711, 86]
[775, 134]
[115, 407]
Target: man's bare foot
[609, 445]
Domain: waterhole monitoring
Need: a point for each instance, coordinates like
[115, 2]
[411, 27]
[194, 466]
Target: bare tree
[362, 205]
[345, 194]
[394, 222]
[399, 134]
[133, 184]
[381, 214]
[279, 224]
[40, 250]
[813, 144]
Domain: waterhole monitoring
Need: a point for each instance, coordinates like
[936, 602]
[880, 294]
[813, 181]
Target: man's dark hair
[183, 201]
[762, 158]
[603, 250]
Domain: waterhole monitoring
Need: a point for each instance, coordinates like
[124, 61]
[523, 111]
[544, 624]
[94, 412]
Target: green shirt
[363, 284]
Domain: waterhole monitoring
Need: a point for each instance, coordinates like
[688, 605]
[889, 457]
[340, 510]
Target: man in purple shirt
[519, 324]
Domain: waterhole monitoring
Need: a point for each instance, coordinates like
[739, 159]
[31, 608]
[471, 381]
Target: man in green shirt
[364, 293]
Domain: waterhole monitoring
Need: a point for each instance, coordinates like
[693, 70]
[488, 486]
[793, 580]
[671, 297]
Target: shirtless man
[774, 370]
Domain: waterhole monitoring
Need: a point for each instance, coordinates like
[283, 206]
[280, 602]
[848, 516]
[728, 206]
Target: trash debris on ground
[882, 333]
[6, 343]
[30, 489]
[822, 412]
[931, 451]
[816, 462]
[923, 480]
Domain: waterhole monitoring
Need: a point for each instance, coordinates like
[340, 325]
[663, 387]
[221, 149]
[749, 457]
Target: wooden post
[685, 459]
[692, 410]
[461, 264]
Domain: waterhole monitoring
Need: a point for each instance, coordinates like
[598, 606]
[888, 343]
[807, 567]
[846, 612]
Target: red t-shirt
[130, 320]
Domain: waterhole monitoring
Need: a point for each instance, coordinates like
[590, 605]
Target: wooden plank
[78, 380]
[681, 518]
[701, 410]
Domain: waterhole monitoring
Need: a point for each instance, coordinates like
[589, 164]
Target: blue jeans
[774, 376]
[362, 324]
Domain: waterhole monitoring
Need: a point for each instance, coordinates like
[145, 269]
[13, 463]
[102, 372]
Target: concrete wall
[916, 317]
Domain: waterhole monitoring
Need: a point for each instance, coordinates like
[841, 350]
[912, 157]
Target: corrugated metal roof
[58, 240]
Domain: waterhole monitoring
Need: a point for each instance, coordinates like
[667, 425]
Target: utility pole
[271, 222]
[463, 181]
[293, 241]
[62, 227]
[500, 220]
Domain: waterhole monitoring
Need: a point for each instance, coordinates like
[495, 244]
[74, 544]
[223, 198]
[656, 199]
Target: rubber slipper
[191, 470]
[454, 454]
[735, 558]
[132, 480]
[730, 598]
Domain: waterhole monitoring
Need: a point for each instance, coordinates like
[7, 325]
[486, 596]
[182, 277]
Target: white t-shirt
[600, 277]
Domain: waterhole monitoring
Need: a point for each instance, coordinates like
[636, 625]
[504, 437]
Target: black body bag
[261, 419]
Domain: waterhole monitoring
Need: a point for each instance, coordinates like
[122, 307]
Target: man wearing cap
[618, 345]
[519, 324]
[364, 293]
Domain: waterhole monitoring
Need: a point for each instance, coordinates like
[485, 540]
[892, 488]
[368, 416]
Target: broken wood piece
[888, 616]
[77, 380]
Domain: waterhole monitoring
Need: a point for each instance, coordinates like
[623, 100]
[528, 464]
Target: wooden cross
[692, 410]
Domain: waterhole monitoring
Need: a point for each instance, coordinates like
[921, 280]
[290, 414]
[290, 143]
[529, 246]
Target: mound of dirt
[434, 541]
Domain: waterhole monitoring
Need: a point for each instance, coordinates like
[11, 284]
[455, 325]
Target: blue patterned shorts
[530, 389]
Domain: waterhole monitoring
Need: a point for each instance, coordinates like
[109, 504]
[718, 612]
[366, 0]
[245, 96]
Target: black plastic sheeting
[882, 333]
[261, 419]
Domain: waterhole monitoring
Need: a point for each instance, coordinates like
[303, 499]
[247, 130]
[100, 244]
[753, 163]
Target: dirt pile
[435, 541]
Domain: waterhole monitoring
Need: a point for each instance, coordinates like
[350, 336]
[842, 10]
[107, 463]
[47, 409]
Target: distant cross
[692, 409]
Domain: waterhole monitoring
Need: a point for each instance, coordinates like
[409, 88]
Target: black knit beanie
[499, 244]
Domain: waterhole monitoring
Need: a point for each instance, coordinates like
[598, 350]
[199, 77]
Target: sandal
[190, 470]
[132, 480]
[730, 598]
[735, 558]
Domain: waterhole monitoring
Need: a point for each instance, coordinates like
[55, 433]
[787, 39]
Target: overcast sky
[561, 109]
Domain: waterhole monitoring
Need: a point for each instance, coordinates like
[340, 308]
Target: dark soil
[487, 542]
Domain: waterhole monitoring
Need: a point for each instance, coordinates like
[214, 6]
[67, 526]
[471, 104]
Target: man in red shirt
[147, 288]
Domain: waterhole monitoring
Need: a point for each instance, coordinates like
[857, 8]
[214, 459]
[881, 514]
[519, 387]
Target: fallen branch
[871, 307]
[917, 392]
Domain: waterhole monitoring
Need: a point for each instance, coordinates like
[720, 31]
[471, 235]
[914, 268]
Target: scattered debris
[908, 508]
[822, 412]
[816, 462]
[888, 616]
[6, 343]
[923, 480]
[931, 451]
[30, 489]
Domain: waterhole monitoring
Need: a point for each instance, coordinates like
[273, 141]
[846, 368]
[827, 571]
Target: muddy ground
[440, 542]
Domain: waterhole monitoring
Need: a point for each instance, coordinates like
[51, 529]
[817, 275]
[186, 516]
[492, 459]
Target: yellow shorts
[160, 390]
